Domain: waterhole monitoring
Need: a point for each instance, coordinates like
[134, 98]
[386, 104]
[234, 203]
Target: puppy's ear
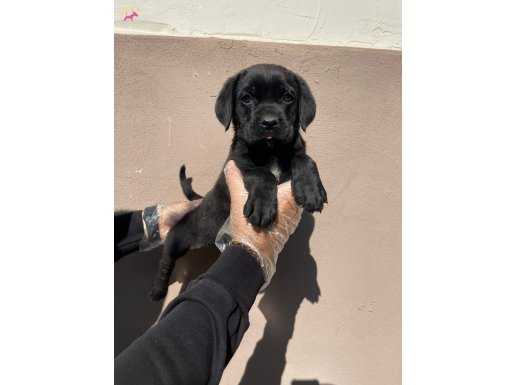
[307, 105]
[225, 102]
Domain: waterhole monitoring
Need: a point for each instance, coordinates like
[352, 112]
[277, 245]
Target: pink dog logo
[130, 16]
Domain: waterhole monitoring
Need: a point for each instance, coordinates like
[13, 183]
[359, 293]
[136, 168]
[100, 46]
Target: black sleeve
[199, 331]
[128, 232]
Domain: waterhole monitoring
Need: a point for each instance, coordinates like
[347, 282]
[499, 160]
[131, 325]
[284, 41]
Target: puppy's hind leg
[177, 243]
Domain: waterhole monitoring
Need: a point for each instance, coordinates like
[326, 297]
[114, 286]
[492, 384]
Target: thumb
[233, 178]
[285, 196]
[286, 203]
[186, 206]
[284, 190]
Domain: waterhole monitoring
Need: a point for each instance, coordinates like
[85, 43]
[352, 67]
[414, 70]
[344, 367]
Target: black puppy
[267, 105]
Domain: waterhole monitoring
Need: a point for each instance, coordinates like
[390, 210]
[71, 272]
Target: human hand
[170, 215]
[159, 220]
[266, 243]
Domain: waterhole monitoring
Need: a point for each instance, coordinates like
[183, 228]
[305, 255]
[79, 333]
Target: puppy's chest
[279, 170]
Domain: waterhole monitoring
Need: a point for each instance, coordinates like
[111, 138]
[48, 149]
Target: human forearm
[200, 330]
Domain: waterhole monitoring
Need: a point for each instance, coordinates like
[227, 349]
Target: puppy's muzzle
[269, 122]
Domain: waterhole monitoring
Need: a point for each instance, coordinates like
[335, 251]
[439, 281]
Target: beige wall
[333, 312]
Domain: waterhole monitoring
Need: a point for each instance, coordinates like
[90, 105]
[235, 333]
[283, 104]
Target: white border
[56, 154]
[458, 193]
[57, 180]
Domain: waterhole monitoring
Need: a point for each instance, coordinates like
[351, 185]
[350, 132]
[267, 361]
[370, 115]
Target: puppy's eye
[246, 99]
[287, 98]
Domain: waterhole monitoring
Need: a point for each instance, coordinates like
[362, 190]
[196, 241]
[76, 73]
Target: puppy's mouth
[268, 141]
[272, 137]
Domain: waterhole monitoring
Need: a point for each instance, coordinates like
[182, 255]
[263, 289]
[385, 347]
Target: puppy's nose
[269, 122]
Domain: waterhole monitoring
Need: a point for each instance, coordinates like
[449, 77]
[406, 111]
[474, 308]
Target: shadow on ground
[134, 312]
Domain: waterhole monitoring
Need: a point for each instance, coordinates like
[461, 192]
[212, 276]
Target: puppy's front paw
[261, 208]
[309, 192]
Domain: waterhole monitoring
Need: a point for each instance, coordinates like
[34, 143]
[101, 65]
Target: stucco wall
[333, 311]
[354, 23]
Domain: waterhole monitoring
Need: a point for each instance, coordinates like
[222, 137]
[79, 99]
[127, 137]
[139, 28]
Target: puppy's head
[266, 103]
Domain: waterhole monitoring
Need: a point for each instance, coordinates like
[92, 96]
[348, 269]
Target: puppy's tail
[186, 185]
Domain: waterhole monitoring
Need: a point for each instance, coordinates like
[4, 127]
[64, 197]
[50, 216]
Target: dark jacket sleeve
[128, 232]
[200, 330]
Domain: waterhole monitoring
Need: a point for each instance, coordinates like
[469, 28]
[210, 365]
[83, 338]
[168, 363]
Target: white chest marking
[275, 169]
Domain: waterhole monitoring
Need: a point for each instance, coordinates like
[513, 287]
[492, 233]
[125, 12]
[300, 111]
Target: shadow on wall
[294, 281]
[307, 382]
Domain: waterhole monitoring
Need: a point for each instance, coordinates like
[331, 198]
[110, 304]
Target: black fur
[267, 105]
[187, 189]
